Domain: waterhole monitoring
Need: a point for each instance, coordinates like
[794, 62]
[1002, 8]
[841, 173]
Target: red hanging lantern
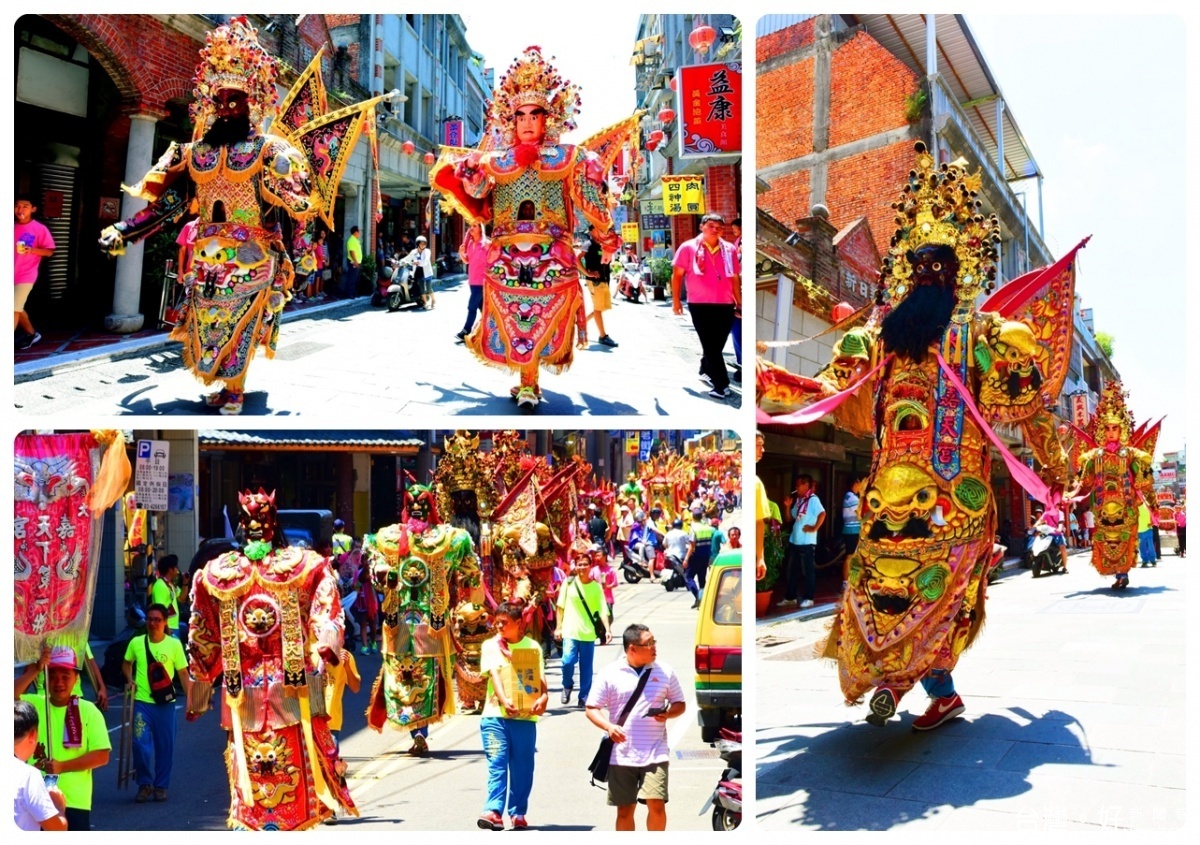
[674, 83]
[841, 311]
[409, 148]
[702, 37]
[652, 145]
[666, 115]
[430, 158]
[657, 136]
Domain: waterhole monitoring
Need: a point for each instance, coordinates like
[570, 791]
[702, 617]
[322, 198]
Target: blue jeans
[1146, 546]
[473, 306]
[581, 652]
[938, 683]
[350, 281]
[802, 563]
[509, 745]
[153, 736]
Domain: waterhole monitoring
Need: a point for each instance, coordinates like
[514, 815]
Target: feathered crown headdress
[1112, 410]
[232, 58]
[532, 80]
[940, 206]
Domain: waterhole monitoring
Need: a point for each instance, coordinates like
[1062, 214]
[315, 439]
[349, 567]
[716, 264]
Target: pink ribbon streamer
[818, 409]
[1022, 474]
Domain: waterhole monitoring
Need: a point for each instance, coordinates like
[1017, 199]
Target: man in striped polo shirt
[638, 766]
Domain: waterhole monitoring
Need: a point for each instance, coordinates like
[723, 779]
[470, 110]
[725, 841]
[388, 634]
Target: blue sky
[1100, 101]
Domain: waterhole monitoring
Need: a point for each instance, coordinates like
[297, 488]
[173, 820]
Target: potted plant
[773, 552]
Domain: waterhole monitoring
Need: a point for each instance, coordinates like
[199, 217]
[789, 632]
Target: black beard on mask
[228, 130]
[918, 321]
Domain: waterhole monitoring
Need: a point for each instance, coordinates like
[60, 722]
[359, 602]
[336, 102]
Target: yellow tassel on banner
[314, 759]
[113, 478]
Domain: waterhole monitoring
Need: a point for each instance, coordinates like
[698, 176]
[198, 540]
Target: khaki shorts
[630, 784]
[20, 294]
[601, 297]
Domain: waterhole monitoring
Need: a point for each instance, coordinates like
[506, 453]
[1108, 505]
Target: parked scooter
[635, 568]
[396, 288]
[633, 282]
[727, 797]
[676, 580]
[1045, 554]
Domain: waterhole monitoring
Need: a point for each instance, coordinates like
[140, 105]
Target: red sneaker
[491, 820]
[519, 823]
[941, 710]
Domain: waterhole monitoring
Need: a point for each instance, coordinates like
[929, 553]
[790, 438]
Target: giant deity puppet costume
[420, 566]
[1115, 471]
[266, 620]
[532, 189]
[242, 182]
[927, 377]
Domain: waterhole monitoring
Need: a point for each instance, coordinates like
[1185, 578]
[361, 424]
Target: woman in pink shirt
[710, 268]
[473, 252]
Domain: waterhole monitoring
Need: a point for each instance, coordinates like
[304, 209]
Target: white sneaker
[806, 603]
[787, 603]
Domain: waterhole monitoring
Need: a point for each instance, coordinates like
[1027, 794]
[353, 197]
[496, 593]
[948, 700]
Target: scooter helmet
[640, 515]
[678, 523]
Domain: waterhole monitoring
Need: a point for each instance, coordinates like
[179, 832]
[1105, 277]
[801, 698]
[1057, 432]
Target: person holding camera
[151, 665]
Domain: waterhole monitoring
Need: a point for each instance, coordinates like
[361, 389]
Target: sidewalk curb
[119, 349]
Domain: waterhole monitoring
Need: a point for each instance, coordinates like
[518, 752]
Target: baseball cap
[63, 657]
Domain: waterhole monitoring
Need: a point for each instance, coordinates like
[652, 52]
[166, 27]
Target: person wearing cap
[679, 549]
[578, 599]
[624, 525]
[79, 740]
[422, 261]
[342, 542]
[603, 572]
[154, 724]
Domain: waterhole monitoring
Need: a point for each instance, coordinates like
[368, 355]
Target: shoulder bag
[597, 622]
[162, 688]
[599, 765]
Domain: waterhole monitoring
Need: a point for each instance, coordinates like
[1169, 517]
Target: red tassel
[525, 154]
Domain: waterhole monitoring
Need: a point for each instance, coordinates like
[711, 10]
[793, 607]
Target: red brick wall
[789, 198]
[721, 192]
[784, 113]
[869, 86]
[866, 185]
[790, 38]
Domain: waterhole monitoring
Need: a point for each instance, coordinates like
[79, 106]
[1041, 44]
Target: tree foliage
[1105, 341]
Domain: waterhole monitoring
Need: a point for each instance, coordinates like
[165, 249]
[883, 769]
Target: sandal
[216, 400]
[419, 747]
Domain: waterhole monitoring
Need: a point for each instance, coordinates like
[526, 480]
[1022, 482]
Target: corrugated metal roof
[309, 439]
[963, 67]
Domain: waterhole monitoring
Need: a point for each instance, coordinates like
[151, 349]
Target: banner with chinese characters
[453, 133]
[63, 485]
[683, 194]
[710, 114]
[629, 233]
[1079, 410]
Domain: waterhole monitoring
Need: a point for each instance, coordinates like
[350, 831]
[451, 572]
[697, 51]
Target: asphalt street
[343, 361]
[445, 791]
[1075, 719]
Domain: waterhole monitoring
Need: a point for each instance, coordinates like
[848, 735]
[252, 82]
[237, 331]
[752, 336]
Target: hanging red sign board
[710, 114]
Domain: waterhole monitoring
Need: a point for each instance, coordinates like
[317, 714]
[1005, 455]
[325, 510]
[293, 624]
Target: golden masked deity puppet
[419, 566]
[242, 182]
[266, 620]
[927, 378]
[1115, 471]
[632, 493]
[532, 190]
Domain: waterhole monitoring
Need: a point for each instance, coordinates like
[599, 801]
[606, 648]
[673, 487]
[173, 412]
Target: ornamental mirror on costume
[928, 376]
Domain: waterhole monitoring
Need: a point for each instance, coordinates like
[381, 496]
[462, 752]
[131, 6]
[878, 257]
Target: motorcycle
[677, 579]
[396, 287]
[1045, 554]
[633, 569]
[632, 285]
[727, 797]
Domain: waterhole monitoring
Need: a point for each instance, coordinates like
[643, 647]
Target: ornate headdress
[425, 494]
[532, 80]
[232, 58]
[259, 514]
[940, 206]
[1112, 410]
